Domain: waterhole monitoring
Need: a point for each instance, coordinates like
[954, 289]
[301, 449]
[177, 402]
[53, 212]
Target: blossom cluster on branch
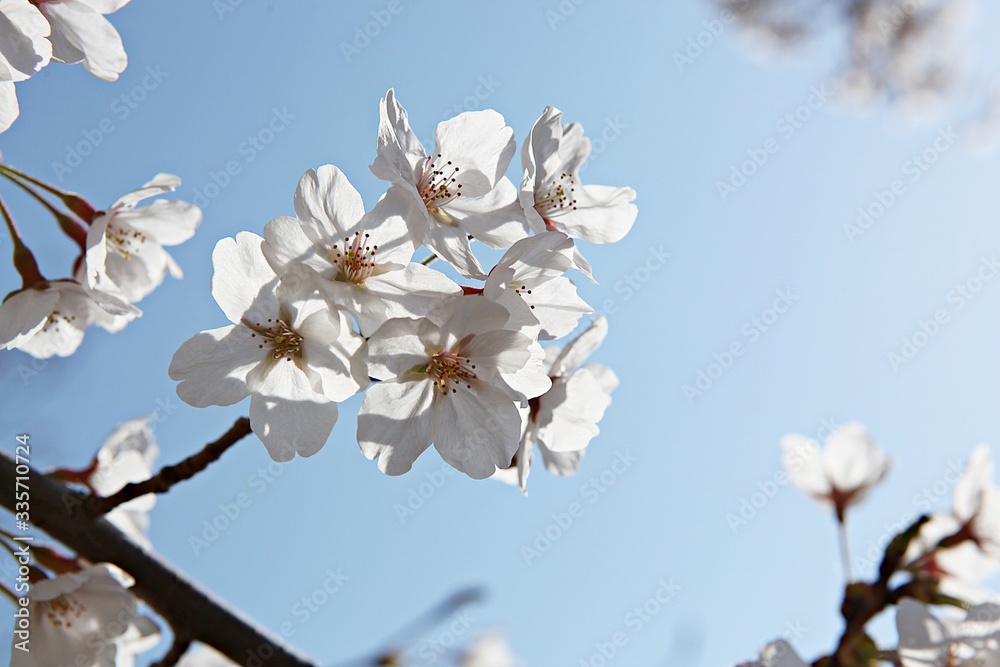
[330, 303]
[931, 574]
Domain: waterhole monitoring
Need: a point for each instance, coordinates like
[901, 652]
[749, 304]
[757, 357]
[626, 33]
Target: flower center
[54, 319]
[449, 368]
[438, 186]
[123, 240]
[522, 292]
[356, 261]
[558, 198]
[63, 610]
[278, 337]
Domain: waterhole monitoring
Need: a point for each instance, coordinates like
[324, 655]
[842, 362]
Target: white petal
[973, 484]
[603, 214]
[568, 413]
[581, 347]
[81, 33]
[326, 199]
[852, 459]
[803, 462]
[9, 110]
[400, 153]
[160, 184]
[480, 144]
[400, 345]
[476, 431]
[336, 354]
[243, 282]
[497, 218]
[23, 314]
[213, 366]
[561, 463]
[24, 48]
[288, 415]
[394, 424]
[168, 222]
[412, 292]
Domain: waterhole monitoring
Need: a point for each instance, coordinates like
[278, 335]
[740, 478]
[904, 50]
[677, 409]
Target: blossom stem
[178, 648]
[170, 475]
[74, 202]
[845, 550]
[24, 261]
[427, 261]
[71, 227]
[187, 607]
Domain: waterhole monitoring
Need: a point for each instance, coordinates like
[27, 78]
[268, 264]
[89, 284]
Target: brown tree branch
[189, 609]
[162, 481]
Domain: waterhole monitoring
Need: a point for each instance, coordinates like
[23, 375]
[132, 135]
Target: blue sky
[660, 486]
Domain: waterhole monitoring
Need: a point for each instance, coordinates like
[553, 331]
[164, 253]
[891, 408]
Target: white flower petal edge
[926, 640]
[125, 258]
[296, 356]
[551, 194]
[81, 33]
[490, 649]
[450, 379]
[777, 654]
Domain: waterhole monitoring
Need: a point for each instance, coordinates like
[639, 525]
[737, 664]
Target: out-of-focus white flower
[777, 654]
[125, 255]
[141, 636]
[24, 50]
[286, 348]
[81, 33]
[563, 420]
[551, 193]
[360, 263]
[128, 455]
[840, 473]
[457, 190]
[489, 650]
[533, 271]
[49, 319]
[926, 641]
[451, 379]
[84, 617]
[970, 552]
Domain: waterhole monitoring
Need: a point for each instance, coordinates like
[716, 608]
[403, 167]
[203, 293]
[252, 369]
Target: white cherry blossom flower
[24, 50]
[49, 319]
[80, 618]
[457, 190]
[777, 654]
[286, 348]
[533, 271]
[127, 455]
[450, 379]
[360, 263]
[489, 650]
[551, 193]
[563, 420]
[81, 33]
[140, 637]
[839, 474]
[125, 256]
[926, 641]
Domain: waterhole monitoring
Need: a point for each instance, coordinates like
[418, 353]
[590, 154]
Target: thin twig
[177, 650]
[164, 480]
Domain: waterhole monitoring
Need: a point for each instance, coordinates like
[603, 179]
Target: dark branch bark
[189, 609]
[162, 481]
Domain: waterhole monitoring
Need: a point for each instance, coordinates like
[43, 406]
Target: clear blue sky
[672, 135]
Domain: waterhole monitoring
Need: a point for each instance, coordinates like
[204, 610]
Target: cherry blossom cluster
[331, 302]
[122, 260]
[932, 572]
[34, 33]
